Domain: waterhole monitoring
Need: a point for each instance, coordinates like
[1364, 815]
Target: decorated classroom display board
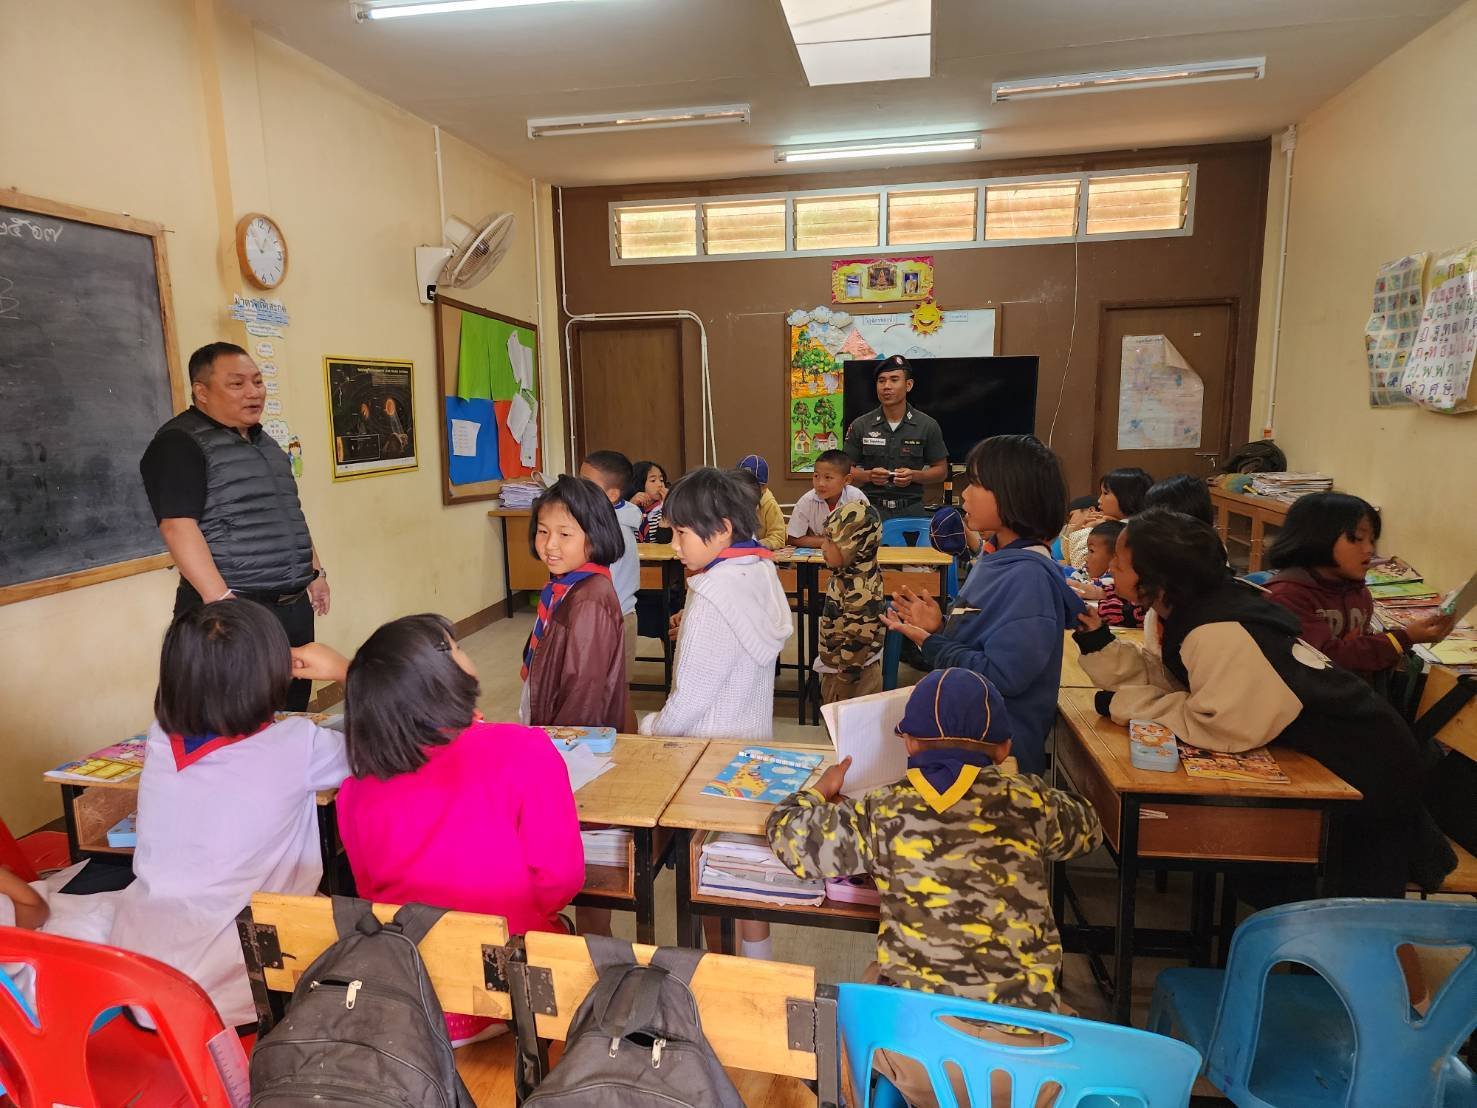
[820, 340]
[880, 280]
[88, 372]
[488, 379]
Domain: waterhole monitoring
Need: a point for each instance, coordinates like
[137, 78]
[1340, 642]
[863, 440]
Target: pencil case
[859, 889]
[597, 740]
[1151, 746]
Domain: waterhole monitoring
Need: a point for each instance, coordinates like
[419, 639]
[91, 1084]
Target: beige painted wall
[1382, 170]
[116, 117]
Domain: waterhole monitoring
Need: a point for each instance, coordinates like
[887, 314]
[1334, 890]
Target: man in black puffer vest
[226, 501]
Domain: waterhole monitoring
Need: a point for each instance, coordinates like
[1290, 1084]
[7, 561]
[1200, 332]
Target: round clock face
[262, 250]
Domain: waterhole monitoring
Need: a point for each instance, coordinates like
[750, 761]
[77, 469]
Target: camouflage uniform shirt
[851, 628]
[964, 903]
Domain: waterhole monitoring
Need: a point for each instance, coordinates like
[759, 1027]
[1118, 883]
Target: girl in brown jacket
[574, 667]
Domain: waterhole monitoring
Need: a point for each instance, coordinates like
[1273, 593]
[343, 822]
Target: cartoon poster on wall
[1389, 336]
[874, 280]
[822, 339]
[1438, 374]
[1161, 400]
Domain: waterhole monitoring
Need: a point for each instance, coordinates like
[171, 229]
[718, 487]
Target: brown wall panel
[743, 303]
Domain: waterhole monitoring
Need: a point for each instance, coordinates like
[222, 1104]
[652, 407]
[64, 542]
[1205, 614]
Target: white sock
[763, 949]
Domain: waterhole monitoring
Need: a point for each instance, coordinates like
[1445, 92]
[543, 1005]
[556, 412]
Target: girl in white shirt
[226, 802]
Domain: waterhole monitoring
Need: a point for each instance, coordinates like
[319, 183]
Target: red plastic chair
[59, 1060]
[41, 850]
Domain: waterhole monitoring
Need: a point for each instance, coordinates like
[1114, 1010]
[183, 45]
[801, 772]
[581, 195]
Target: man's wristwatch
[320, 574]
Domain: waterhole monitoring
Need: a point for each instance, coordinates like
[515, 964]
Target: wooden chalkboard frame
[12, 198]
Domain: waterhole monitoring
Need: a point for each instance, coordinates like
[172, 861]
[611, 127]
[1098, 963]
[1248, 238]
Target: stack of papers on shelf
[119, 762]
[1289, 486]
[1405, 594]
[521, 493]
[743, 867]
[610, 847]
[1391, 571]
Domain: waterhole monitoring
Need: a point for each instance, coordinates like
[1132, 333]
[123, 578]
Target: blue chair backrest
[905, 532]
[1351, 943]
[1095, 1060]
[1260, 577]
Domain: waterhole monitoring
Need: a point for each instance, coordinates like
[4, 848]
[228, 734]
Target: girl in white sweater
[733, 627]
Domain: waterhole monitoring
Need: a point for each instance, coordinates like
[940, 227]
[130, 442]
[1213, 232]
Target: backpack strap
[349, 913]
[608, 952]
[679, 962]
[1445, 710]
[416, 920]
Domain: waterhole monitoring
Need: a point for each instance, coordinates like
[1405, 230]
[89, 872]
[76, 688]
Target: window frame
[883, 192]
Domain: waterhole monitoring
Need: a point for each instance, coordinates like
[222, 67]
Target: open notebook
[866, 729]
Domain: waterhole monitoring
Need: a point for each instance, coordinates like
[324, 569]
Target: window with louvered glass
[656, 232]
[940, 216]
[837, 222]
[1032, 210]
[1141, 202]
[746, 227]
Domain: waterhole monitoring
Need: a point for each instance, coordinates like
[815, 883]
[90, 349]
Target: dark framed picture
[371, 414]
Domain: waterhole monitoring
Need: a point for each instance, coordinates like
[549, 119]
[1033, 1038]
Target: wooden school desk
[1073, 676]
[90, 809]
[690, 814]
[1157, 820]
[522, 572]
[661, 570]
[898, 564]
[632, 794]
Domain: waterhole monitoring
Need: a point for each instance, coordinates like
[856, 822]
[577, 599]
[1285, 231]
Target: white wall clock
[261, 248]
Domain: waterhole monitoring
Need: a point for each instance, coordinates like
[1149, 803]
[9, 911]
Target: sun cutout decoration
[927, 318]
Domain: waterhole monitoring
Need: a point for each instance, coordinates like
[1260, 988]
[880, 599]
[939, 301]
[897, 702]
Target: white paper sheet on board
[583, 765]
[521, 359]
[464, 437]
[865, 728]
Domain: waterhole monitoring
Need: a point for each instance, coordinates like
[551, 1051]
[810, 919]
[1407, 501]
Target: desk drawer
[1206, 831]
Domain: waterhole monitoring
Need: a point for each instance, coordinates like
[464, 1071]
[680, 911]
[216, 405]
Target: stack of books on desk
[522, 493]
[743, 867]
[1289, 486]
[607, 848]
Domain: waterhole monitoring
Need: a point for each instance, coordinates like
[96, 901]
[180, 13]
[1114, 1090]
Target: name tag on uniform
[873, 440]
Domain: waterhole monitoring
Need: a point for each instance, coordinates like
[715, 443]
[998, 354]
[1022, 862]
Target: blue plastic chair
[905, 532]
[1348, 1037]
[1097, 1061]
[908, 532]
[1260, 577]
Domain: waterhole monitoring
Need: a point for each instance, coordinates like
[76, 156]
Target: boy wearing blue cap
[960, 850]
[771, 530]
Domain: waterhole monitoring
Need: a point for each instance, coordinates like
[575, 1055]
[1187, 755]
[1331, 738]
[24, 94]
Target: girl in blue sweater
[1009, 619]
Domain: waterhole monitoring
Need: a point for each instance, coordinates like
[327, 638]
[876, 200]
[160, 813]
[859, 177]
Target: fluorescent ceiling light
[877, 148]
[636, 121]
[877, 59]
[394, 9]
[1238, 69]
[843, 42]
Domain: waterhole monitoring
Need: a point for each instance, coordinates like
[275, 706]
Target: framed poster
[875, 280]
[371, 416]
[487, 376]
[820, 340]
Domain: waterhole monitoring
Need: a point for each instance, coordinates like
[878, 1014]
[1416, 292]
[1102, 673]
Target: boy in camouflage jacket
[851, 630]
[959, 848]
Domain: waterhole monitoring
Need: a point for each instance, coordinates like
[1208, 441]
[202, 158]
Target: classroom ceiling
[482, 75]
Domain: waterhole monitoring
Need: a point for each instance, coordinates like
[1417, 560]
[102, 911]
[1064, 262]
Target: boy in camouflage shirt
[851, 630]
[959, 849]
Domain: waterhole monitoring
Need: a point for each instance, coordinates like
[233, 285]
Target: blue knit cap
[757, 466]
[955, 704]
[946, 531]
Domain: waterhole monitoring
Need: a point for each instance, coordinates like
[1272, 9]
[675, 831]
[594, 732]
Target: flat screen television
[972, 398]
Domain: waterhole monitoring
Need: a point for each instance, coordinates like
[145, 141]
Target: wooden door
[1203, 332]
[628, 391]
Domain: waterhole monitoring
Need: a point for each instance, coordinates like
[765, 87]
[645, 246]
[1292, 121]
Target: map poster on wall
[1160, 398]
[821, 339]
[1438, 374]
[874, 280]
[1394, 319]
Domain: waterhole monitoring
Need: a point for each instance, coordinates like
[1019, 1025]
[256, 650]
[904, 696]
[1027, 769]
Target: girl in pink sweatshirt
[443, 808]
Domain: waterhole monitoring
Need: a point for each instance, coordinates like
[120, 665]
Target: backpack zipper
[656, 1053]
[431, 1081]
[354, 987]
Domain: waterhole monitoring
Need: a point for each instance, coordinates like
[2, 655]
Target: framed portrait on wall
[371, 416]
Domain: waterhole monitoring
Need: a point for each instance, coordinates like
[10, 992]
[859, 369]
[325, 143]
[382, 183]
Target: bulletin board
[487, 372]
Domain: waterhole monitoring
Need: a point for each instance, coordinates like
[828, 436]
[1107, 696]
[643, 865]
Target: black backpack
[1262, 456]
[637, 1040]
[364, 1025]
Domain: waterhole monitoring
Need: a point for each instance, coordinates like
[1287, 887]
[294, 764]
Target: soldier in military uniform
[897, 449]
[960, 850]
[851, 630]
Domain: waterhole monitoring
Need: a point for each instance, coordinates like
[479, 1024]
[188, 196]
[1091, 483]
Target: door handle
[1210, 458]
